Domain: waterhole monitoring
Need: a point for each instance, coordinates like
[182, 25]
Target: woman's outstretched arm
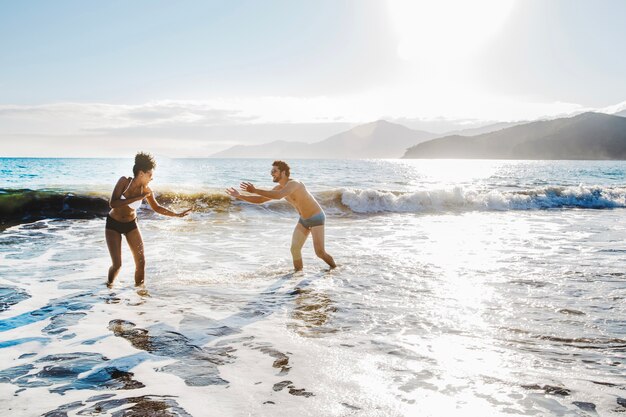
[162, 210]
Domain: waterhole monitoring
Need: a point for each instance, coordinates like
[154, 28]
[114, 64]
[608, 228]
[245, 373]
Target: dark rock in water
[585, 406]
[109, 378]
[27, 355]
[269, 402]
[99, 397]
[166, 343]
[282, 360]
[280, 385]
[549, 389]
[196, 366]
[278, 363]
[621, 401]
[351, 407]
[9, 296]
[570, 311]
[63, 370]
[608, 384]
[556, 390]
[62, 410]
[104, 406]
[300, 392]
[66, 365]
[55, 413]
[146, 406]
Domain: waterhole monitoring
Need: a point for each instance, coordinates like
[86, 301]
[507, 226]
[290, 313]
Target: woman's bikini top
[134, 205]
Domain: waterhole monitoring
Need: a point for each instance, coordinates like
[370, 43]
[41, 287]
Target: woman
[122, 219]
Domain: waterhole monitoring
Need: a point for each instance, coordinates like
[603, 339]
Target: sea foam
[462, 199]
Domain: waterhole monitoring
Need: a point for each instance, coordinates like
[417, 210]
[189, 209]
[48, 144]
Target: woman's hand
[183, 213]
[248, 186]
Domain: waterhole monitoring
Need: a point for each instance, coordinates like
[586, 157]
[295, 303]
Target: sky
[191, 78]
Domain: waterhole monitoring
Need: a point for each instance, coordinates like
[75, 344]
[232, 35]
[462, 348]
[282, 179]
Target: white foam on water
[460, 198]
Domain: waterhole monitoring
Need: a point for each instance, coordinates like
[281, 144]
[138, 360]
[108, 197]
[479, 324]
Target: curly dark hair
[282, 166]
[143, 162]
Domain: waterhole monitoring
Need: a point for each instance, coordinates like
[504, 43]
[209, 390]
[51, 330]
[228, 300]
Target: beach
[485, 287]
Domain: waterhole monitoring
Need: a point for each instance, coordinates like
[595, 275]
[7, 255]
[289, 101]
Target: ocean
[491, 288]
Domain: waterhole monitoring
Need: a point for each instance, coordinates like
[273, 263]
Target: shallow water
[435, 309]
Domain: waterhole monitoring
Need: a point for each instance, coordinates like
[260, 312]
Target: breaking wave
[30, 205]
[460, 199]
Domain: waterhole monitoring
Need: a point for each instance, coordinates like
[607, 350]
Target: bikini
[124, 227]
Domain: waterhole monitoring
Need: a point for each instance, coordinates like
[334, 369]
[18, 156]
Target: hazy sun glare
[445, 30]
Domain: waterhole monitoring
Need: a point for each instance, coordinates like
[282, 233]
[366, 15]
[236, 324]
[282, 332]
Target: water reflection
[312, 313]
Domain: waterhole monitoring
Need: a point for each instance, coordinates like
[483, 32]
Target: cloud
[407, 102]
[616, 108]
[200, 128]
[84, 117]
[175, 128]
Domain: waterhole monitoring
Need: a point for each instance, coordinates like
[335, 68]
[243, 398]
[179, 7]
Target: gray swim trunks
[318, 220]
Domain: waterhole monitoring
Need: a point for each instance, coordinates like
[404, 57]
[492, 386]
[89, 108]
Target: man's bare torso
[302, 200]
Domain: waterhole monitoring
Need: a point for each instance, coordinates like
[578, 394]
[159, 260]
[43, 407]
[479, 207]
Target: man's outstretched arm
[254, 199]
[275, 194]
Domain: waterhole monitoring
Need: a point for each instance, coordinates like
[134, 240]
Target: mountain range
[380, 139]
[585, 136]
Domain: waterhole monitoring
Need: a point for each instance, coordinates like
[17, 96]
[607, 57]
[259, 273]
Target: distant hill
[380, 139]
[483, 129]
[585, 136]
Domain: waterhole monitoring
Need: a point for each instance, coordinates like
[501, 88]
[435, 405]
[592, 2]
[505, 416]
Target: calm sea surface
[485, 287]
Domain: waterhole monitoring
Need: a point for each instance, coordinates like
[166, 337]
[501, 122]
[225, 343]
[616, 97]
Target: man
[312, 217]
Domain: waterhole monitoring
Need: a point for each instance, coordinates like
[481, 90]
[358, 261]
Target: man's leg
[136, 247]
[114, 243]
[318, 243]
[300, 233]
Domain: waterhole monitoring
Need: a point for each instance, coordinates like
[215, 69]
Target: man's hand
[233, 193]
[248, 186]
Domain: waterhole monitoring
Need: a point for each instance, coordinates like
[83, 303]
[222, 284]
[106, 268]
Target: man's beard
[275, 179]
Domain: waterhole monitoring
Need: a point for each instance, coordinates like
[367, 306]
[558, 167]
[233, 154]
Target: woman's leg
[114, 243]
[136, 247]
